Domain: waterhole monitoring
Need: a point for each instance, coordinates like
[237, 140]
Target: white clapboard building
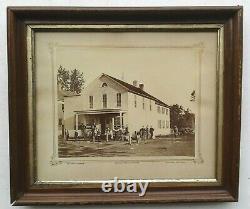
[110, 102]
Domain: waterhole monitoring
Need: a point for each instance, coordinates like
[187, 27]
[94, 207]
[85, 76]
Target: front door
[103, 124]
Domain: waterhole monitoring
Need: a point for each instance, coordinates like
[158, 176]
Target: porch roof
[100, 111]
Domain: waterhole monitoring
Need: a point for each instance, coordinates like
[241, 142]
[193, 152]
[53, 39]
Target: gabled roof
[136, 90]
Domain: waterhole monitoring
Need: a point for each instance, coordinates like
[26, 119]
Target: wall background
[244, 200]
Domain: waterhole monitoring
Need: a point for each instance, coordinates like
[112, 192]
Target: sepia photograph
[126, 95]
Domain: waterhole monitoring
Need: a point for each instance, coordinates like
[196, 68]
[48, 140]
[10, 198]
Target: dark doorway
[103, 124]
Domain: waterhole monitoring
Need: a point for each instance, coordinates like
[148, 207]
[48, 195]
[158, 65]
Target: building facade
[111, 103]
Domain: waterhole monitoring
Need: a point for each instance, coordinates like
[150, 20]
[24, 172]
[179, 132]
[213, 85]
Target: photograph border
[25, 190]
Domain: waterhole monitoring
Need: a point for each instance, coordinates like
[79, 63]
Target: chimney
[141, 86]
[135, 83]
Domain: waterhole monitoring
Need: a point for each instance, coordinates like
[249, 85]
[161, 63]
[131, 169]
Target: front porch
[103, 119]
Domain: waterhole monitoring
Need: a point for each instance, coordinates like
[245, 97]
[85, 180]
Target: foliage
[70, 80]
[180, 117]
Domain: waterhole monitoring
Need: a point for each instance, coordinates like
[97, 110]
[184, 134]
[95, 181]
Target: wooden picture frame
[24, 188]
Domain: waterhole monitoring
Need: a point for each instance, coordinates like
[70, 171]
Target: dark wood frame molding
[23, 189]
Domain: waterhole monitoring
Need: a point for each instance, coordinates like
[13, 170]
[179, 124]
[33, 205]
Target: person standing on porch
[93, 130]
[108, 134]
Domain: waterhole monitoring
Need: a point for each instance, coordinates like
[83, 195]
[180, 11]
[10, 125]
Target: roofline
[110, 77]
[157, 101]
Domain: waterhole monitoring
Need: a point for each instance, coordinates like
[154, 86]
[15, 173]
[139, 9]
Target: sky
[166, 63]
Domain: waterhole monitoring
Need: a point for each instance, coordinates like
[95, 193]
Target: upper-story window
[150, 105]
[91, 102]
[135, 101]
[158, 109]
[143, 103]
[163, 110]
[166, 111]
[104, 100]
[104, 85]
[119, 99]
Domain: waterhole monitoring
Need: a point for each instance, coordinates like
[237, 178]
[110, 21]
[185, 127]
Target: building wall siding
[134, 118]
[138, 117]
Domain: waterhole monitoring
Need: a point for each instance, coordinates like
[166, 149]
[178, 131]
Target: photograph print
[127, 95]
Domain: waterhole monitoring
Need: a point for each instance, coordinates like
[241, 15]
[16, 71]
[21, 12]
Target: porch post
[121, 119]
[113, 123]
[76, 122]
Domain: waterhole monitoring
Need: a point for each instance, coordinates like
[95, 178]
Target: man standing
[142, 133]
[147, 132]
[176, 132]
[151, 130]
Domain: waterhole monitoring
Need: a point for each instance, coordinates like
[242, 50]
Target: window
[150, 105]
[104, 85]
[91, 102]
[119, 99]
[104, 100]
[143, 103]
[166, 111]
[63, 107]
[135, 102]
[167, 124]
[158, 109]
[163, 110]
[163, 123]
[159, 124]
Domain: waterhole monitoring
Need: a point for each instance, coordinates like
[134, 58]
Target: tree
[180, 117]
[63, 78]
[189, 119]
[176, 114]
[70, 80]
[76, 81]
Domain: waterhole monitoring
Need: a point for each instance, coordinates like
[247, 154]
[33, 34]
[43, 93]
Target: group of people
[116, 134]
[146, 133]
[110, 134]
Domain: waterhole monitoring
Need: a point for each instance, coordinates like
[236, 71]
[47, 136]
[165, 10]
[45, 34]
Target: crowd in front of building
[93, 134]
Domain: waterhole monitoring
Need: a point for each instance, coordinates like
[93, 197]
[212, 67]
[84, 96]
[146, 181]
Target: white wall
[139, 117]
[244, 200]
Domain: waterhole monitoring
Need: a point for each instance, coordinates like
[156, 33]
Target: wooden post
[121, 119]
[113, 123]
[76, 122]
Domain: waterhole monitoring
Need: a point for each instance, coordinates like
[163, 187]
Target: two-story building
[110, 102]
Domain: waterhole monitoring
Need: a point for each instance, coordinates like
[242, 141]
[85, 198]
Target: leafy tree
[176, 113]
[76, 81]
[70, 80]
[63, 78]
[180, 117]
